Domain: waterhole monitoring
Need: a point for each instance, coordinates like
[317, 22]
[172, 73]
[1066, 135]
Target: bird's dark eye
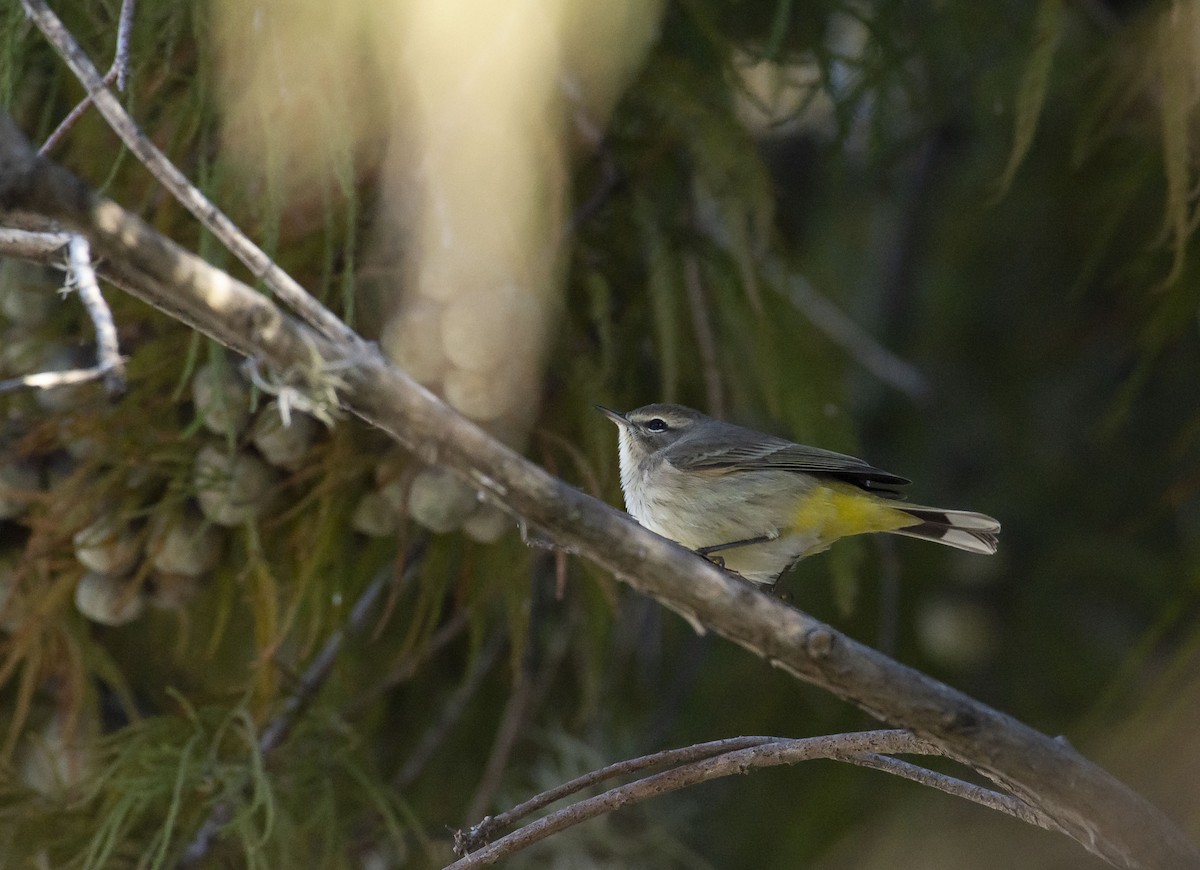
[657, 425]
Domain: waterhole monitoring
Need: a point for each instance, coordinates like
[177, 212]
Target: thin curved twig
[839, 328]
[517, 707]
[987, 797]
[53, 380]
[407, 667]
[452, 711]
[478, 835]
[611, 180]
[863, 748]
[214, 220]
[539, 665]
[73, 117]
[82, 278]
[706, 339]
[124, 38]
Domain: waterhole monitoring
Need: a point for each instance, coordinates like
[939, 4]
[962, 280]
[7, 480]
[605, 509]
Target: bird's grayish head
[647, 430]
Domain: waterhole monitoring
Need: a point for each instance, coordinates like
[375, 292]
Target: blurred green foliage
[982, 188]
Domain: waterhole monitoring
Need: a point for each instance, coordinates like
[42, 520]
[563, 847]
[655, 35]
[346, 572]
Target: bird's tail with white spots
[964, 530]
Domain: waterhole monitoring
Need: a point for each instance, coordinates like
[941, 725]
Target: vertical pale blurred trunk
[474, 105]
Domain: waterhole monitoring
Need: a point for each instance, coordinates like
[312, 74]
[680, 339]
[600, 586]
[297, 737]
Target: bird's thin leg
[707, 552]
[774, 589]
[716, 548]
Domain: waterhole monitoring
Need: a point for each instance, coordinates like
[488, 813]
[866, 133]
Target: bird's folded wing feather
[776, 453]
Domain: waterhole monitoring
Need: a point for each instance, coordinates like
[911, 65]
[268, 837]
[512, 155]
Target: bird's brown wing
[767, 452]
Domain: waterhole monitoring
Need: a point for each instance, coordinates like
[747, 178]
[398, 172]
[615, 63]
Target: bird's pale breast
[703, 509]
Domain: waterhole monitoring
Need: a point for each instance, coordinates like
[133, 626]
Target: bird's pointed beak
[615, 416]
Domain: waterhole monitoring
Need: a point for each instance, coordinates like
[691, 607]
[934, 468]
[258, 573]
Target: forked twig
[118, 72]
[480, 834]
[862, 748]
[81, 277]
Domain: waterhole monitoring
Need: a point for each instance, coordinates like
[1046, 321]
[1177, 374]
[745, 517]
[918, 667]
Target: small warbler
[756, 504]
